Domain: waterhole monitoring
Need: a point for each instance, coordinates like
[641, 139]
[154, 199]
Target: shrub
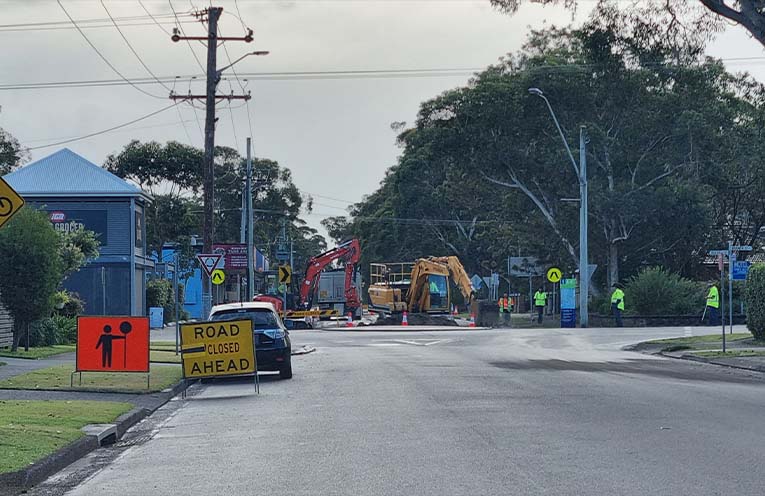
[67, 304]
[754, 297]
[52, 330]
[656, 291]
[159, 293]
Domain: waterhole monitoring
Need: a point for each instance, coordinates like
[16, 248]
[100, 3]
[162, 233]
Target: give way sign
[210, 262]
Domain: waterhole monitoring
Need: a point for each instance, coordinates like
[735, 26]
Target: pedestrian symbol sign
[554, 274]
[10, 202]
[112, 344]
[212, 349]
[285, 274]
[210, 262]
[218, 276]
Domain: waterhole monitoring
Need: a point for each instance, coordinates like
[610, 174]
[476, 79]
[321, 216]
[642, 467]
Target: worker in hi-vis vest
[504, 304]
[713, 305]
[540, 300]
[617, 303]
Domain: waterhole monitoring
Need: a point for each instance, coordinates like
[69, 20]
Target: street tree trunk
[613, 264]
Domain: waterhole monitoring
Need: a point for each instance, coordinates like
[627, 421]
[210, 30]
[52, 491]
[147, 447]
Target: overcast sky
[334, 134]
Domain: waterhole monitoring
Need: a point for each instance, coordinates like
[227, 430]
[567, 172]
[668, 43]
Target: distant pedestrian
[504, 309]
[617, 304]
[540, 300]
[504, 304]
[713, 304]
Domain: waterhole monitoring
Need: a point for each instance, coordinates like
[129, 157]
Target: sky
[334, 133]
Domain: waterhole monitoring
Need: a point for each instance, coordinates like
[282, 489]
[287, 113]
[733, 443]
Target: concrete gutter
[97, 435]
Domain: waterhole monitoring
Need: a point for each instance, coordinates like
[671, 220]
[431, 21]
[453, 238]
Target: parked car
[273, 348]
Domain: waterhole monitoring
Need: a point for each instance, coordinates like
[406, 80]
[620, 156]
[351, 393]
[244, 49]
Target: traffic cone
[472, 320]
[404, 321]
[350, 320]
[454, 312]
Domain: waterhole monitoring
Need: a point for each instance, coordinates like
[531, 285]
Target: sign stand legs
[257, 379]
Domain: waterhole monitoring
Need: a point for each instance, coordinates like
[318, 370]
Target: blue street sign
[740, 270]
[476, 281]
[568, 303]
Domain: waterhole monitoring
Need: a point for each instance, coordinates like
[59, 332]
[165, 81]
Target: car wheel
[286, 371]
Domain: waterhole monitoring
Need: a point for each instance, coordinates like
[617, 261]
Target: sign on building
[214, 349]
[112, 344]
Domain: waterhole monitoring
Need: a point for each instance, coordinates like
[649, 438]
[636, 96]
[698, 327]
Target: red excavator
[350, 253]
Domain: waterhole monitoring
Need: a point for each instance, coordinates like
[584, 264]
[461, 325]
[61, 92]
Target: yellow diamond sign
[10, 202]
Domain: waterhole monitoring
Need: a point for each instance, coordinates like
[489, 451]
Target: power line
[146, 67]
[103, 131]
[327, 74]
[123, 130]
[102, 55]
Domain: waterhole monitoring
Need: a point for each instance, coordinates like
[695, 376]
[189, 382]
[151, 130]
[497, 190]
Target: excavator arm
[458, 275]
[350, 253]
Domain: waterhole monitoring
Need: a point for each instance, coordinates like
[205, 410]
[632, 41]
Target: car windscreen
[261, 319]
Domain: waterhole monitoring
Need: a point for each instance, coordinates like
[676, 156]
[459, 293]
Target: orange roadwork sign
[112, 344]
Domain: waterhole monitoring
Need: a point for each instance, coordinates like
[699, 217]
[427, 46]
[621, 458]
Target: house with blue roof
[78, 194]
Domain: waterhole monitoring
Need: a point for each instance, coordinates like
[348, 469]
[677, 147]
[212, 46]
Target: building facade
[78, 194]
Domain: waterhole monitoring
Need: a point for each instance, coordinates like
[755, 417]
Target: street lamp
[219, 72]
[581, 172]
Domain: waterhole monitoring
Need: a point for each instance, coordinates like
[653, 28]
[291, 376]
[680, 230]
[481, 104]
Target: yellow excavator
[417, 287]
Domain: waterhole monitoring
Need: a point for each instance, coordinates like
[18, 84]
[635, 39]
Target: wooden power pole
[210, 15]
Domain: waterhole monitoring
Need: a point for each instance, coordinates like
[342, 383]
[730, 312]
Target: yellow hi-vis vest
[618, 297]
[540, 298]
[713, 297]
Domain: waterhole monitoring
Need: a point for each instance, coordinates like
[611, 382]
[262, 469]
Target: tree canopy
[172, 174]
[680, 16]
[673, 152]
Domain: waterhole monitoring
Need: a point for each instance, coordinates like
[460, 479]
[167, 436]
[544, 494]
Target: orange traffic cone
[472, 320]
[454, 312]
[404, 321]
[350, 320]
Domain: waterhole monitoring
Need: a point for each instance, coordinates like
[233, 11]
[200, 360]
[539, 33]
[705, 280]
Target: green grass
[730, 354]
[37, 353]
[162, 346]
[164, 356]
[57, 378]
[30, 430]
[701, 340]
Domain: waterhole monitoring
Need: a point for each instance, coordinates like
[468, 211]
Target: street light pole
[584, 264]
[581, 173]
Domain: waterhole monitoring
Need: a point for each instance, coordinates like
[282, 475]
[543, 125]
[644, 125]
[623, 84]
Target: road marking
[422, 342]
[384, 344]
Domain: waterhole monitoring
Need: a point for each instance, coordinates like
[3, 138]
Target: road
[511, 412]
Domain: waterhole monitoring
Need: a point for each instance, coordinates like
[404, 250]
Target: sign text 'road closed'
[210, 349]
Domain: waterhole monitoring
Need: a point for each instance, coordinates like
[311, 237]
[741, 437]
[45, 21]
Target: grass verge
[57, 378]
[730, 354]
[30, 430]
[161, 356]
[39, 352]
[700, 342]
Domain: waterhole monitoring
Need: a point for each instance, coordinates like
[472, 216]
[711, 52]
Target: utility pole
[248, 209]
[584, 264]
[210, 15]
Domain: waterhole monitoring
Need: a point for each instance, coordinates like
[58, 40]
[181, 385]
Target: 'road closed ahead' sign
[212, 349]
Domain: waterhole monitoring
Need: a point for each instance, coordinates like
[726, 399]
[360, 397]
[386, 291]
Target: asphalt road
[502, 412]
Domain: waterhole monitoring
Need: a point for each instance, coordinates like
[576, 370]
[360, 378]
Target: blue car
[273, 348]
